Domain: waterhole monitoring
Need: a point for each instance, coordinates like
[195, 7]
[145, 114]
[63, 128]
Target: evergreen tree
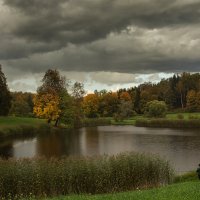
[5, 97]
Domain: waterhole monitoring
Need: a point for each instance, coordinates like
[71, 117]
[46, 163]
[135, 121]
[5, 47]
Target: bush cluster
[42, 177]
[156, 108]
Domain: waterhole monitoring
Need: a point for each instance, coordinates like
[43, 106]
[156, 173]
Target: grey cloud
[122, 36]
[136, 50]
[84, 21]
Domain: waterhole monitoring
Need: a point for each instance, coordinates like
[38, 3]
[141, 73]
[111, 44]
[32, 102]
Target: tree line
[59, 101]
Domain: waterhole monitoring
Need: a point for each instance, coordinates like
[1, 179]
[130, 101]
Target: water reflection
[181, 147]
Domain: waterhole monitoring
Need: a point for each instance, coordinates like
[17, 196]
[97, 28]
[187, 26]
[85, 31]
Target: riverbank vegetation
[57, 100]
[18, 126]
[90, 175]
[166, 123]
[68, 105]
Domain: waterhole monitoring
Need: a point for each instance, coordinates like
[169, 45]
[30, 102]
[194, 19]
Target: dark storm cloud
[125, 36]
[82, 21]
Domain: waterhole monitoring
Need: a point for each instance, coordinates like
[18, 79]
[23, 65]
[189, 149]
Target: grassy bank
[129, 121]
[89, 122]
[168, 123]
[11, 126]
[103, 174]
[170, 117]
[180, 191]
[172, 120]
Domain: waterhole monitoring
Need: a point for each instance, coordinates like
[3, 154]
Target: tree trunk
[182, 101]
[56, 123]
[49, 121]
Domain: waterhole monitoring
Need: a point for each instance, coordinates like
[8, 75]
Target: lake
[180, 147]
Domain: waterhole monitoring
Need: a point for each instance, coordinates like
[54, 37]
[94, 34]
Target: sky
[105, 44]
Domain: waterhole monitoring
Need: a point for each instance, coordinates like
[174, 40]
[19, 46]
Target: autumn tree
[91, 105]
[108, 104]
[21, 104]
[48, 102]
[192, 101]
[5, 97]
[125, 96]
[47, 106]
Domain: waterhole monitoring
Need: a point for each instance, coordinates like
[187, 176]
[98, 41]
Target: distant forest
[180, 93]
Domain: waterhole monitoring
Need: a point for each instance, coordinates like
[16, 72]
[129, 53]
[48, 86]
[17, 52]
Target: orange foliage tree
[91, 105]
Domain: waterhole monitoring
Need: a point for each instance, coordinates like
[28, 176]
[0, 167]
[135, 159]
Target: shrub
[42, 177]
[156, 109]
[193, 117]
[180, 116]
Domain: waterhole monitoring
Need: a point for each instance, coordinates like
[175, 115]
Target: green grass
[18, 125]
[170, 116]
[172, 120]
[129, 121]
[186, 116]
[15, 121]
[179, 191]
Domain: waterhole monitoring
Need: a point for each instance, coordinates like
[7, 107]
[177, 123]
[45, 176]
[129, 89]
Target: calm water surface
[181, 147]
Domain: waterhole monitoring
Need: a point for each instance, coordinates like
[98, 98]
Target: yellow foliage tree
[47, 106]
[90, 105]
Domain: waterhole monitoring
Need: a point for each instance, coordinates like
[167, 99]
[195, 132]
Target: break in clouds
[102, 41]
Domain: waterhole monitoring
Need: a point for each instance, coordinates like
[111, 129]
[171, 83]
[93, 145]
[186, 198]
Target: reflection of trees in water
[69, 143]
[89, 141]
[6, 150]
[51, 145]
[58, 143]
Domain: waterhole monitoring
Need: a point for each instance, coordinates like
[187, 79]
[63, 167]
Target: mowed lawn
[13, 122]
[179, 191]
[170, 116]
[186, 116]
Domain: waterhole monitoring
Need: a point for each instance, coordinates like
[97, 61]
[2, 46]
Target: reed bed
[167, 123]
[92, 175]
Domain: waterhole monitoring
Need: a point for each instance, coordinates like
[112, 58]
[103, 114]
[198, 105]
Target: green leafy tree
[68, 109]
[125, 110]
[77, 92]
[5, 97]
[21, 104]
[156, 108]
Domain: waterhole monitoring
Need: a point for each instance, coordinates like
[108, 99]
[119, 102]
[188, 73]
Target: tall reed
[103, 174]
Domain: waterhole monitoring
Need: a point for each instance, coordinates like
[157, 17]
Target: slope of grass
[18, 125]
[15, 121]
[179, 191]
